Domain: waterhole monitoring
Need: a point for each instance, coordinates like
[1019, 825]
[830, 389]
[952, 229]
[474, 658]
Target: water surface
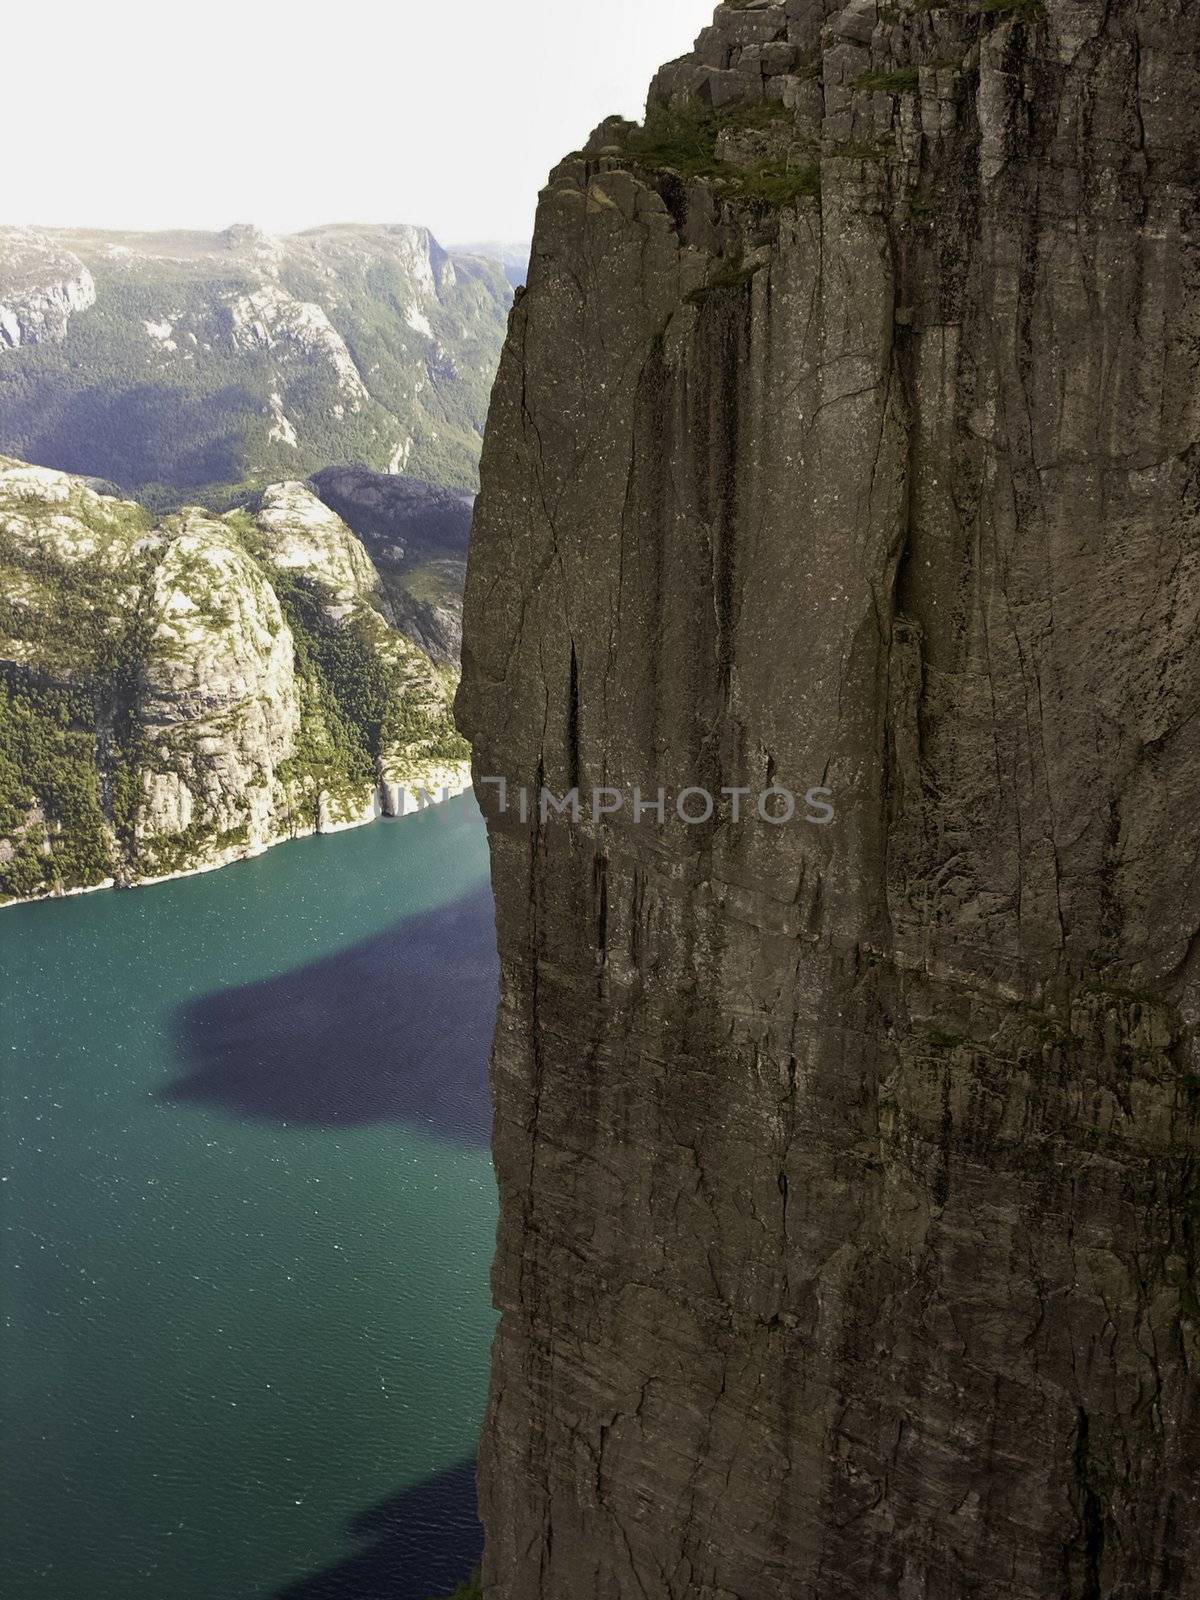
[247, 1215]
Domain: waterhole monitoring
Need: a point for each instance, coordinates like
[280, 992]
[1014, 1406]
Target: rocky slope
[417, 535]
[847, 434]
[180, 694]
[170, 362]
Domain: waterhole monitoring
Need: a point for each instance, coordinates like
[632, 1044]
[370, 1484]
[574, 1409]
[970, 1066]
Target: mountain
[846, 440]
[170, 363]
[514, 258]
[183, 692]
[417, 535]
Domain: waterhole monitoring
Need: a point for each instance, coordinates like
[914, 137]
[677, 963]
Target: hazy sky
[140, 114]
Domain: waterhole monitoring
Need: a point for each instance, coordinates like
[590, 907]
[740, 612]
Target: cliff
[847, 435]
[179, 694]
[172, 362]
[43, 286]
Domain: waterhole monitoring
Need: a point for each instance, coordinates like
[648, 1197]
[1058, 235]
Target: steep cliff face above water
[177, 695]
[170, 362]
[847, 433]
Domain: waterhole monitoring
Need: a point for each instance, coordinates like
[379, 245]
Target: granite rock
[847, 1244]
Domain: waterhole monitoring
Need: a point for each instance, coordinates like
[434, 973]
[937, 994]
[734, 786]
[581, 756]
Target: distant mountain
[417, 536]
[169, 363]
[514, 258]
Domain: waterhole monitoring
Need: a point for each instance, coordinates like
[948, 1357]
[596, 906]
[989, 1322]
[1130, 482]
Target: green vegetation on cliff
[172, 696]
[72, 639]
[52, 826]
[688, 140]
[902, 80]
[345, 691]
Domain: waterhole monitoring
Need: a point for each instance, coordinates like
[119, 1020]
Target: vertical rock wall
[849, 1175]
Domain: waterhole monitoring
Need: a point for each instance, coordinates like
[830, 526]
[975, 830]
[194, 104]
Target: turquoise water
[247, 1215]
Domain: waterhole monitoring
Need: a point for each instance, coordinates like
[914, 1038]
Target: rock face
[303, 535]
[41, 287]
[847, 434]
[171, 362]
[181, 694]
[217, 706]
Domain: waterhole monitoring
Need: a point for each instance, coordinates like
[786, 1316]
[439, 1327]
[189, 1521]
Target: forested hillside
[178, 365]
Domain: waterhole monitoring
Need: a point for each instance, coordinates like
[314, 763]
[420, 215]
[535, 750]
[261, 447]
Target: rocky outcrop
[182, 694]
[216, 714]
[303, 535]
[237, 358]
[41, 287]
[270, 319]
[433, 619]
[847, 436]
[417, 535]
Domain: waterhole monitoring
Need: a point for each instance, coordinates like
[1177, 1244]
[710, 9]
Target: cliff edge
[847, 435]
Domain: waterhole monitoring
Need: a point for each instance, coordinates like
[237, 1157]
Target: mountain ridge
[184, 359]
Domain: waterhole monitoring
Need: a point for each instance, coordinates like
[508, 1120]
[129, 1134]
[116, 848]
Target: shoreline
[381, 808]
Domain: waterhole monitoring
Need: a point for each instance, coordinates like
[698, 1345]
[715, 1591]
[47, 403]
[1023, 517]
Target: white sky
[156, 113]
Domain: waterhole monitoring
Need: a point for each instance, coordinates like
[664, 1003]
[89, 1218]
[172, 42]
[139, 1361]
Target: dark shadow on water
[393, 1030]
[417, 1544]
